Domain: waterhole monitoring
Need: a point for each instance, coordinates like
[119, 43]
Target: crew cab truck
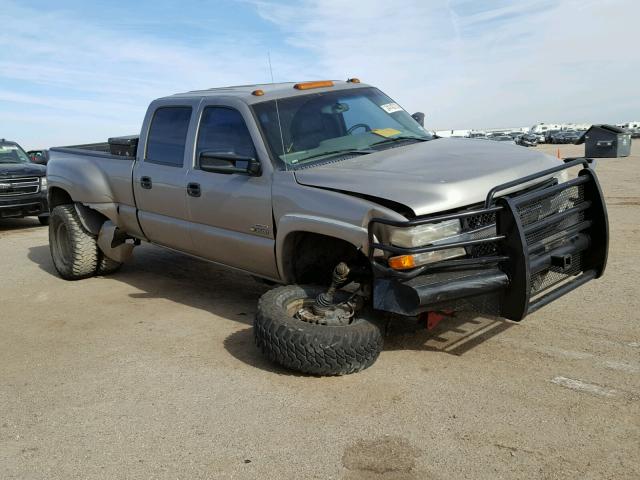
[334, 191]
[23, 185]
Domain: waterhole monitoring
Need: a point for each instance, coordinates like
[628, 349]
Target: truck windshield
[12, 153]
[314, 127]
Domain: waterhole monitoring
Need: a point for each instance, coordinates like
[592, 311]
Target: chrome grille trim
[19, 186]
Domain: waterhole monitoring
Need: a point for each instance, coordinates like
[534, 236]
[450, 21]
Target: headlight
[43, 183]
[423, 235]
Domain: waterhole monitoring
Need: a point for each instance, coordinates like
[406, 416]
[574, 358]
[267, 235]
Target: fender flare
[297, 223]
[91, 219]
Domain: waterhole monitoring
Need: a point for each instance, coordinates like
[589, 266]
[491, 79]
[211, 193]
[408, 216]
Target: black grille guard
[548, 241]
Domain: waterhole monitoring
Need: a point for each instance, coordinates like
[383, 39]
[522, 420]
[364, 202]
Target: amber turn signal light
[309, 85]
[403, 262]
[353, 80]
[258, 93]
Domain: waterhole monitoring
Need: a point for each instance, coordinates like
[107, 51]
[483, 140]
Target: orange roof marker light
[310, 85]
[353, 80]
[258, 93]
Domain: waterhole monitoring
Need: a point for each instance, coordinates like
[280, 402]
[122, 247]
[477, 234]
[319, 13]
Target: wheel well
[58, 196]
[309, 258]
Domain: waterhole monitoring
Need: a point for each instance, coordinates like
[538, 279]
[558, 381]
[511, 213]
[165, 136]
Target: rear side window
[223, 130]
[168, 135]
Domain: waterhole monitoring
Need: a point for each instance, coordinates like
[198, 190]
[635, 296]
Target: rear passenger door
[231, 213]
[159, 177]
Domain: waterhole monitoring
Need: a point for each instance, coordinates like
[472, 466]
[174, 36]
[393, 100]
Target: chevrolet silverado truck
[23, 185]
[335, 192]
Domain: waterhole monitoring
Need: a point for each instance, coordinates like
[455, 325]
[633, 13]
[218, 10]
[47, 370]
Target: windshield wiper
[347, 151]
[400, 139]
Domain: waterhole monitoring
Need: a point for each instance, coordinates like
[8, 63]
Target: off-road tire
[74, 250]
[311, 348]
[106, 265]
[44, 220]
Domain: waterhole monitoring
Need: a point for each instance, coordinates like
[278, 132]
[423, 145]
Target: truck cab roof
[270, 91]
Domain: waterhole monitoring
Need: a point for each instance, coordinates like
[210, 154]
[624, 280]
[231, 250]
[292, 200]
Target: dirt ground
[152, 374]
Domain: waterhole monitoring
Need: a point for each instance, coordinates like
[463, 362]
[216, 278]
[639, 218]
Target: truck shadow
[15, 224]
[455, 335]
[158, 273]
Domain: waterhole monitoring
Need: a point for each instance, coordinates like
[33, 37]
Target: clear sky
[75, 71]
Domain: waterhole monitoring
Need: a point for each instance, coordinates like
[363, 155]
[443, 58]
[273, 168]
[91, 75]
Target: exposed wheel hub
[335, 315]
[324, 310]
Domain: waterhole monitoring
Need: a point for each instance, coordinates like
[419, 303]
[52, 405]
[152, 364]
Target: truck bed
[123, 147]
[92, 147]
[98, 178]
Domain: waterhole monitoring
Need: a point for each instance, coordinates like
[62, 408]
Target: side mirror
[419, 117]
[229, 163]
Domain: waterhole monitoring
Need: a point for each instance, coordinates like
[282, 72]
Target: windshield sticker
[386, 132]
[391, 107]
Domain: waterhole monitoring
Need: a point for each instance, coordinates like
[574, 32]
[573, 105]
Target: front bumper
[24, 205]
[548, 241]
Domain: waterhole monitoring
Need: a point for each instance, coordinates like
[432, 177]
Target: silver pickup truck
[334, 191]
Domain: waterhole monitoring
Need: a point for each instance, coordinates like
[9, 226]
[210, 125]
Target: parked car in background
[502, 138]
[527, 140]
[539, 137]
[548, 135]
[481, 135]
[41, 157]
[23, 185]
[565, 137]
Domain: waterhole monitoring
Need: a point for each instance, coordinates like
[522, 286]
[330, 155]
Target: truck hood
[432, 176]
[13, 170]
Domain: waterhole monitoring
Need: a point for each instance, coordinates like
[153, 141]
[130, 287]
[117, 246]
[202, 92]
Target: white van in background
[539, 128]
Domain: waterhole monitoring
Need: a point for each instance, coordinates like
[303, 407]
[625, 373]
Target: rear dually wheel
[74, 250]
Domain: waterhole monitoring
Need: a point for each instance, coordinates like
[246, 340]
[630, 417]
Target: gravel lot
[152, 373]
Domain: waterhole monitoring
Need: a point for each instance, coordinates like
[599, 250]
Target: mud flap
[112, 242]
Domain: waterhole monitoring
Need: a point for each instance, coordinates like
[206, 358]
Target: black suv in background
[23, 184]
[566, 136]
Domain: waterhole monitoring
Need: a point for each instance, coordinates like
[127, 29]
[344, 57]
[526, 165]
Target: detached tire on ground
[73, 249]
[308, 347]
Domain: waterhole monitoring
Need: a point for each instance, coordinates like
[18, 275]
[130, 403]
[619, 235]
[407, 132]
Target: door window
[223, 130]
[168, 135]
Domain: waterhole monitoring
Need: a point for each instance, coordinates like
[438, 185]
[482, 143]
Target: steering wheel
[366, 127]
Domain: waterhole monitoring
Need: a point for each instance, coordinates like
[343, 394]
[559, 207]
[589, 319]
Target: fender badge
[261, 229]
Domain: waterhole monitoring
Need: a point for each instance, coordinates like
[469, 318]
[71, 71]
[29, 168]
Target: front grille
[481, 226]
[477, 221]
[19, 186]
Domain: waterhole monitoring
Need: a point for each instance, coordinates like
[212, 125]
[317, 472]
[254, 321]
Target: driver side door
[230, 212]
